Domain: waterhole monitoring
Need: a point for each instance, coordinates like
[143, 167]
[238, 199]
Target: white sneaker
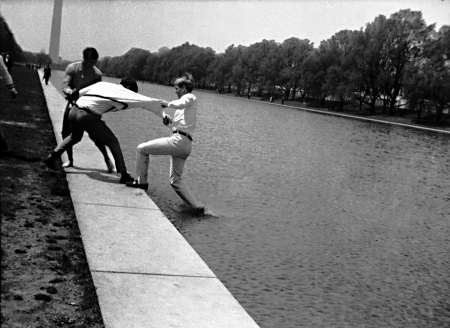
[68, 164]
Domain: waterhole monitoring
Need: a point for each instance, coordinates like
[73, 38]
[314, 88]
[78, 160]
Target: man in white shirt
[178, 145]
[85, 115]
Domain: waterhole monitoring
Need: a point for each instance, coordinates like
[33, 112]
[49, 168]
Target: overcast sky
[115, 26]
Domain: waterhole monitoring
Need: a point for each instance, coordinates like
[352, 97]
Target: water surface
[320, 221]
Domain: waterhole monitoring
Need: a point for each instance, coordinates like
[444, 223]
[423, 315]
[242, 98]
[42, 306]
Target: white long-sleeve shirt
[185, 117]
[104, 97]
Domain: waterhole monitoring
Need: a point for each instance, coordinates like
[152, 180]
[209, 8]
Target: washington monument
[55, 35]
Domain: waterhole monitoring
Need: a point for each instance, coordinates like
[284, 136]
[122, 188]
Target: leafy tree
[318, 66]
[163, 67]
[154, 64]
[428, 81]
[40, 58]
[222, 67]
[315, 69]
[293, 53]
[163, 50]
[30, 57]
[259, 64]
[250, 62]
[131, 64]
[43, 58]
[134, 62]
[8, 42]
[198, 61]
[116, 66]
[270, 64]
[218, 72]
[340, 75]
[405, 43]
[371, 58]
[171, 63]
[148, 72]
[103, 65]
[232, 66]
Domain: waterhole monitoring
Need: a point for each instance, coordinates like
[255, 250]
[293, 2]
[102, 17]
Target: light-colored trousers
[179, 147]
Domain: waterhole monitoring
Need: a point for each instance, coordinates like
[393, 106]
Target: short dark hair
[186, 80]
[129, 83]
[91, 53]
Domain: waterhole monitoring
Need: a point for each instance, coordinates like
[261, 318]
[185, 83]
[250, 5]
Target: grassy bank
[45, 279]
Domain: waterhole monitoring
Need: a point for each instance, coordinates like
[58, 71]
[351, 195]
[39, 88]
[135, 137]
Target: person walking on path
[89, 104]
[178, 145]
[7, 79]
[47, 74]
[6, 59]
[79, 75]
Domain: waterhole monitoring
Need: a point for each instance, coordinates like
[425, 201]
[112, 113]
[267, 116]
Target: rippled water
[320, 221]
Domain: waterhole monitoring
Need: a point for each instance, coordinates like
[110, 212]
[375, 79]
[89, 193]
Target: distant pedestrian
[79, 75]
[282, 100]
[47, 74]
[7, 79]
[7, 60]
[249, 95]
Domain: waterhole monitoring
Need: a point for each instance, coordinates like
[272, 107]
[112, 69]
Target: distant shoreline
[405, 121]
[348, 111]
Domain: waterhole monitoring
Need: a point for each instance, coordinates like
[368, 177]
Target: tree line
[9, 45]
[8, 42]
[393, 58]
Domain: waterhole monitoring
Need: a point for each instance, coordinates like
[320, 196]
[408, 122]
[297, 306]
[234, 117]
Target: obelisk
[55, 35]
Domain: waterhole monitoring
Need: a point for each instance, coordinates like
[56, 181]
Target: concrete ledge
[136, 240]
[163, 301]
[144, 271]
[360, 118]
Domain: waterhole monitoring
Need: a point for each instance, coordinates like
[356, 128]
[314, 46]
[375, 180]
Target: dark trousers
[3, 144]
[66, 131]
[81, 120]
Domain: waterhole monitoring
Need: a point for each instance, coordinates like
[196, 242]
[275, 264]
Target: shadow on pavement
[95, 174]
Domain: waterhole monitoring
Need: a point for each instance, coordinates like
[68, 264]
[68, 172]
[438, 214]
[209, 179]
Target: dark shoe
[136, 184]
[126, 177]
[200, 209]
[50, 162]
[3, 145]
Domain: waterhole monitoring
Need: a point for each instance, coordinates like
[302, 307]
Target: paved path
[144, 271]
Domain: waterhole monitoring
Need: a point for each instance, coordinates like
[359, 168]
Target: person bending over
[86, 112]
